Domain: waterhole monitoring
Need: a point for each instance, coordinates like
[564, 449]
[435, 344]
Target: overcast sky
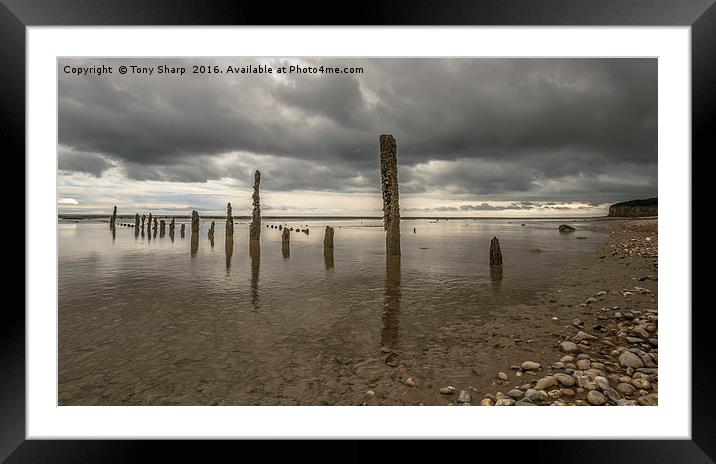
[476, 137]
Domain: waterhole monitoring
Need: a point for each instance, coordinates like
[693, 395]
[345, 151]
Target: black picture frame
[16, 15]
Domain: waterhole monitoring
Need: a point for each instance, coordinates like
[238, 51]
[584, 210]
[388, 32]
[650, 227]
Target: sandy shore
[589, 339]
[592, 340]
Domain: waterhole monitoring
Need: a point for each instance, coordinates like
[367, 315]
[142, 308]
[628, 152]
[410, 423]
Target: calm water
[146, 321]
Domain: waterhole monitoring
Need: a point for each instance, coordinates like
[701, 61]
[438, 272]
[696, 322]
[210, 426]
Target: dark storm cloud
[88, 163]
[541, 129]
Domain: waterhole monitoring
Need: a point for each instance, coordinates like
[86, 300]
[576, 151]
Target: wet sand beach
[263, 329]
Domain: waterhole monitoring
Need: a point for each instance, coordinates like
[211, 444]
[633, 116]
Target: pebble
[640, 331]
[567, 393]
[545, 382]
[535, 396]
[629, 359]
[486, 402]
[635, 340]
[596, 398]
[564, 379]
[583, 336]
[410, 382]
[502, 376]
[531, 365]
[583, 364]
[569, 347]
[463, 397]
[641, 383]
[626, 389]
[602, 383]
[612, 394]
[515, 394]
[577, 323]
[648, 370]
[505, 402]
[567, 359]
[591, 300]
[449, 390]
[652, 399]
[370, 393]
[601, 293]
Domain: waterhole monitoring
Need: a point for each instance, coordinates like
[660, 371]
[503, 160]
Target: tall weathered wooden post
[389, 186]
[255, 228]
[113, 218]
[182, 230]
[162, 227]
[144, 218]
[136, 221]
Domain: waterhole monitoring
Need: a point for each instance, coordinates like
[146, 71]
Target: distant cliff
[634, 208]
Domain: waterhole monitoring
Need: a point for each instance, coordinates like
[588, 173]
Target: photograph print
[357, 231]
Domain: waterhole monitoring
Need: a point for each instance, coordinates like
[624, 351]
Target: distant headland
[635, 208]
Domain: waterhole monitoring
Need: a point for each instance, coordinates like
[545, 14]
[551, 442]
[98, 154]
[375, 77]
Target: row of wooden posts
[391, 212]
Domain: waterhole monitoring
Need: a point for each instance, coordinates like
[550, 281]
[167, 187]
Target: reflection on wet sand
[114, 234]
[255, 253]
[328, 258]
[229, 248]
[286, 243]
[194, 243]
[390, 334]
[496, 277]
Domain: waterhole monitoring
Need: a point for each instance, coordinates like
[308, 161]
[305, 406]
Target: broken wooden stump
[229, 223]
[328, 238]
[389, 187]
[162, 227]
[194, 232]
[211, 233]
[194, 222]
[286, 243]
[495, 252]
[182, 230]
[255, 227]
[328, 247]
